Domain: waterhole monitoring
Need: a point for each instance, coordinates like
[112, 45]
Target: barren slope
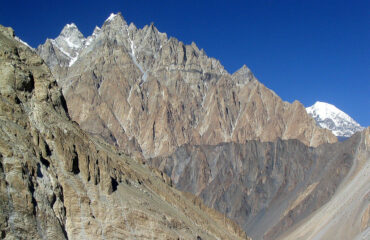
[347, 214]
[270, 187]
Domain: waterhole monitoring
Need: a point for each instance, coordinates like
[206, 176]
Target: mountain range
[138, 87]
[57, 182]
[129, 133]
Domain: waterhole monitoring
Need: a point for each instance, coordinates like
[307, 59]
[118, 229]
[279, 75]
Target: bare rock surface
[346, 215]
[271, 188]
[140, 88]
[57, 182]
[224, 137]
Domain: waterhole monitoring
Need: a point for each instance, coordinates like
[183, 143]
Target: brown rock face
[137, 87]
[56, 182]
[271, 188]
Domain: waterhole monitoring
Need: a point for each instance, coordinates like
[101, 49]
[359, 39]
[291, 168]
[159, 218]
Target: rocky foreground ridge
[57, 182]
[139, 88]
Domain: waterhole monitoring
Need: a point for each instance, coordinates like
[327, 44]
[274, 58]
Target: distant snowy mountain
[330, 117]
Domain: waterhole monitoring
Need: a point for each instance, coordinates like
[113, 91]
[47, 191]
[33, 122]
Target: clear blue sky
[302, 49]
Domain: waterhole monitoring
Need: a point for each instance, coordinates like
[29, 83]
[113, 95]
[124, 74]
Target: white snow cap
[327, 110]
[71, 25]
[330, 117]
[20, 40]
[110, 18]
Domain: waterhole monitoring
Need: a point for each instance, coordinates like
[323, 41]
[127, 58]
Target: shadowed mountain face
[266, 187]
[142, 91]
[57, 182]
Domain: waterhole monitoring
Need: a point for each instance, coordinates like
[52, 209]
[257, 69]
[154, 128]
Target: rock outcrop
[140, 88]
[270, 188]
[57, 182]
[346, 214]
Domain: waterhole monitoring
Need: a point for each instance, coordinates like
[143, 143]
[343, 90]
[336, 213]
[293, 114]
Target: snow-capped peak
[71, 25]
[70, 42]
[96, 30]
[91, 38]
[115, 19]
[111, 17]
[330, 117]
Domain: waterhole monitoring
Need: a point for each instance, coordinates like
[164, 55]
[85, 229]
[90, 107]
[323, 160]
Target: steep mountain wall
[136, 87]
[57, 182]
[269, 188]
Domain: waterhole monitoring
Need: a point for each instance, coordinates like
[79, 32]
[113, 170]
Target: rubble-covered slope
[56, 182]
[347, 214]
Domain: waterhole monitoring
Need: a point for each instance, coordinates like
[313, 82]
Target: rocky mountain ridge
[139, 88]
[57, 182]
[330, 117]
[224, 137]
[271, 188]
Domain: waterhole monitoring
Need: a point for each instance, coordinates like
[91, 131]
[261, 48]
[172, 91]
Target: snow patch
[111, 17]
[91, 38]
[71, 25]
[60, 48]
[71, 44]
[133, 56]
[21, 41]
[73, 60]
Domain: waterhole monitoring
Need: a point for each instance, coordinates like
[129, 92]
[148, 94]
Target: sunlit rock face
[139, 88]
[57, 182]
[224, 137]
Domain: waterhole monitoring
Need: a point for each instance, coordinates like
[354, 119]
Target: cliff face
[147, 93]
[347, 214]
[136, 87]
[56, 182]
[269, 188]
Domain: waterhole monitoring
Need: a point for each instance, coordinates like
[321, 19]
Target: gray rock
[267, 188]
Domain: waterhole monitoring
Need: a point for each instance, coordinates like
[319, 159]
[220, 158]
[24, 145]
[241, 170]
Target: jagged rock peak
[243, 75]
[243, 70]
[115, 19]
[167, 72]
[69, 27]
[91, 38]
[7, 31]
[70, 40]
[96, 30]
[72, 34]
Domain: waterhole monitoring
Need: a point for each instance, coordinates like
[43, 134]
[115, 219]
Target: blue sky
[305, 50]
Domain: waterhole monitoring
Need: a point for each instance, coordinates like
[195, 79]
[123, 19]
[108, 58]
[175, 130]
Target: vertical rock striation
[57, 182]
[269, 188]
[139, 87]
